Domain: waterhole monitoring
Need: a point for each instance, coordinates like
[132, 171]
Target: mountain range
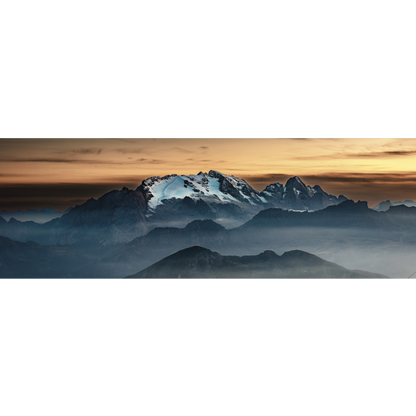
[39, 216]
[349, 234]
[173, 200]
[126, 231]
[385, 205]
[199, 262]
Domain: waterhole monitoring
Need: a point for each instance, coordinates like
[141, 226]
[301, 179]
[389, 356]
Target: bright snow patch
[193, 186]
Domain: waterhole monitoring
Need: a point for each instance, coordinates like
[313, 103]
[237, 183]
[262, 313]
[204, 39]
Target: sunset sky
[61, 173]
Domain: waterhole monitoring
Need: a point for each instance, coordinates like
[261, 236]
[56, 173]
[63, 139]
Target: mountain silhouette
[199, 262]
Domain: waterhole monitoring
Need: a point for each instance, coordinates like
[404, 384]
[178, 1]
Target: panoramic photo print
[208, 208]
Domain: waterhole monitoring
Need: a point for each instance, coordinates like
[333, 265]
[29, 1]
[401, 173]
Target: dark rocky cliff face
[116, 217]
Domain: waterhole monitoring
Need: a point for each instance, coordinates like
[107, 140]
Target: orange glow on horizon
[358, 168]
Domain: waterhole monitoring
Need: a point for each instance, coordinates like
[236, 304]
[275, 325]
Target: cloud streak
[90, 151]
[367, 155]
[127, 151]
[181, 149]
[11, 175]
[59, 160]
[80, 151]
[151, 161]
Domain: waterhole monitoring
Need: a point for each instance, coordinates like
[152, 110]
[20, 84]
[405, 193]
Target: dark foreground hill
[199, 262]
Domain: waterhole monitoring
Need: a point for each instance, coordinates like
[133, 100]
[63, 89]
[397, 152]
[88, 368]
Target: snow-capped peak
[212, 186]
[216, 187]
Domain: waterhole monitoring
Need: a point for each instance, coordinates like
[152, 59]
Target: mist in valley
[391, 254]
[389, 250]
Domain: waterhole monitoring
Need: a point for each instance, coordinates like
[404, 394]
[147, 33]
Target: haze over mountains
[126, 231]
[31, 259]
[349, 234]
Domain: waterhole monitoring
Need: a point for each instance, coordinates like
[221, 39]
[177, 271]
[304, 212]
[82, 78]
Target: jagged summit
[298, 196]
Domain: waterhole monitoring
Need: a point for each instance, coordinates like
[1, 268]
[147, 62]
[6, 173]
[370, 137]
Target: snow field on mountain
[176, 187]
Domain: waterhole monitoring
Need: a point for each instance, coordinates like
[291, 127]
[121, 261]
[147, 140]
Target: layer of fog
[389, 253]
[387, 250]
